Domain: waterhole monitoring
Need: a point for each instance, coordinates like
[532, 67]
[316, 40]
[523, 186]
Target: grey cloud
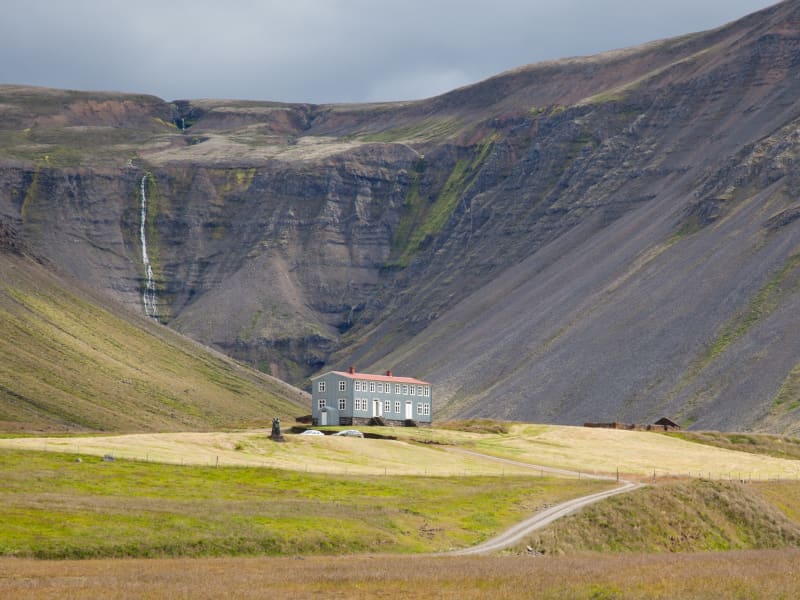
[321, 51]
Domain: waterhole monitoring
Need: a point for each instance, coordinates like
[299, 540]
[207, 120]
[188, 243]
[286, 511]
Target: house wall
[359, 405]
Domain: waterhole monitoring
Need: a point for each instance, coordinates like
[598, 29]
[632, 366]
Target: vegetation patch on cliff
[422, 220]
[765, 301]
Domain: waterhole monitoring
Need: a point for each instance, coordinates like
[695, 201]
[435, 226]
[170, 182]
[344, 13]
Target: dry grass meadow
[434, 452]
[743, 575]
[313, 454]
[634, 453]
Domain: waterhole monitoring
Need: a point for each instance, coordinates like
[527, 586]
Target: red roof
[370, 377]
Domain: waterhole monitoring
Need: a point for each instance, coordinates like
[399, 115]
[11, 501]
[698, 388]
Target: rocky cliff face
[614, 237]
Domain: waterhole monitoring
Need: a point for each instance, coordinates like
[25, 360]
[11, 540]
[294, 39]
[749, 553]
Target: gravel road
[545, 517]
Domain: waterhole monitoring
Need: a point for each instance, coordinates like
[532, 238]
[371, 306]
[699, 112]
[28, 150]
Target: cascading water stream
[149, 293]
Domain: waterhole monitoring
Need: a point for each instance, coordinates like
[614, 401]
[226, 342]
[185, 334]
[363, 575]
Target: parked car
[350, 433]
[312, 432]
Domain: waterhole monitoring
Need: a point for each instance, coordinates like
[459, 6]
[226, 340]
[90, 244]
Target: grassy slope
[67, 363]
[682, 516]
[54, 507]
[753, 443]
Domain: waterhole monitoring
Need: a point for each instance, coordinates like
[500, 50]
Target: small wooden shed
[668, 424]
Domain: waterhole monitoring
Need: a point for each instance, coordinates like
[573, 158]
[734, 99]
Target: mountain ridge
[596, 238]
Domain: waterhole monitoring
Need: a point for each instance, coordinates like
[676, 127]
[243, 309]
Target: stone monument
[276, 435]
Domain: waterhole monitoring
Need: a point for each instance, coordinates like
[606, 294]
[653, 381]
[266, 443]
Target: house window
[342, 386]
[427, 391]
[419, 408]
[357, 386]
[426, 409]
[405, 390]
[419, 390]
[372, 386]
[397, 388]
[387, 406]
[342, 403]
[321, 386]
[380, 388]
[413, 390]
[397, 406]
[321, 403]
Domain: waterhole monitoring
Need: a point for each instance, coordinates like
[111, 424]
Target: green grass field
[54, 507]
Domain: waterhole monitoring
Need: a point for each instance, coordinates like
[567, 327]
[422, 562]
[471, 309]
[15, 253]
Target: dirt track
[545, 517]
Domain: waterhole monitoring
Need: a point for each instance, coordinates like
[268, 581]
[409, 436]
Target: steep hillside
[67, 363]
[662, 273]
[609, 237]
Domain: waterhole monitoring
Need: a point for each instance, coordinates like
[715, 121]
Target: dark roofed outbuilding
[668, 424]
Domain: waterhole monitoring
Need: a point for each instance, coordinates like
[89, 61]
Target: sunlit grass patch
[52, 506]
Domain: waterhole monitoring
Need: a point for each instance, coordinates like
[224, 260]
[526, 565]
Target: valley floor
[337, 528]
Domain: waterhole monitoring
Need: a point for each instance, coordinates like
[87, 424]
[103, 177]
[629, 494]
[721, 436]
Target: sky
[321, 51]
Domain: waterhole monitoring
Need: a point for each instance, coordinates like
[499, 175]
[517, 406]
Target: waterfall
[149, 293]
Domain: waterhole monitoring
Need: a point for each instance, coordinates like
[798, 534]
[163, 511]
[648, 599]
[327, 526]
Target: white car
[350, 433]
[312, 432]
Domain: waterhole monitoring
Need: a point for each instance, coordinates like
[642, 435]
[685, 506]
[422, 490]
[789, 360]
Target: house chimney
[351, 370]
[389, 373]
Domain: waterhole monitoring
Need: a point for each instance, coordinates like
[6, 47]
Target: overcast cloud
[321, 50]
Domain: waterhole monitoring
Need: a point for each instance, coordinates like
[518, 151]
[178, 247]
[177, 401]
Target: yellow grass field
[317, 454]
[634, 453]
[587, 450]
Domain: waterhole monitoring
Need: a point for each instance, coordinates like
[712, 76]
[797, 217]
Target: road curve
[545, 517]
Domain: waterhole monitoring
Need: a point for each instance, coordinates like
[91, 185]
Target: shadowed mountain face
[604, 238]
